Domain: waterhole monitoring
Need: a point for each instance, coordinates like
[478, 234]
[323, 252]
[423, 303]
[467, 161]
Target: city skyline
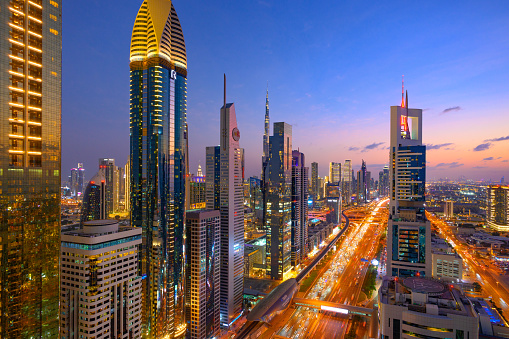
[456, 76]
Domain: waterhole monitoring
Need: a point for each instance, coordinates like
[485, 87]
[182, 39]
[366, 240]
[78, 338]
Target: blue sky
[333, 67]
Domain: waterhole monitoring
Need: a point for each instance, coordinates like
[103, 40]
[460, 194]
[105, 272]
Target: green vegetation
[477, 287]
[369, 284]
[306, 283]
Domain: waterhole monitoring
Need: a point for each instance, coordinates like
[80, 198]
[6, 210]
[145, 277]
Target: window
[54, 3]
[54, 31]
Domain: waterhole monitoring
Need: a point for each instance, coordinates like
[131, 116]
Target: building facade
[158, 140]
[497, 213]
[449, 209]
[107, 166]
[346, 182]
[107, 303]
[30, 125]
[299, 215]
[409, 232]
[279, 202]
[231, 205]
[202, 273]
[315, 186]
[212, 177]
[335, 173]
[77, 181]
[94, 199]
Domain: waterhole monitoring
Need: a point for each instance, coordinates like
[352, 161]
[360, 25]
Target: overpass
[328, 306]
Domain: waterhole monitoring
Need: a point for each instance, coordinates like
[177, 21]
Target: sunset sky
[334, 69]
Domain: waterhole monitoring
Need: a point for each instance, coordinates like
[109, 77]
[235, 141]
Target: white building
[417, 307]
[202, 273]
[447, 266]
[100, 294]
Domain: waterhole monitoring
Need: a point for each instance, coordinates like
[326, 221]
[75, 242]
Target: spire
[406, 103]
[402, 91]
[224, 91]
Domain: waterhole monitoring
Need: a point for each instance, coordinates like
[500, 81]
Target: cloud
[451, 109]
[482, 147]
[488, 159]
[499, 139]
[354, 149]
[449, 164]
[479, 167]
[505, 160]
[430, 147]
[373, 145]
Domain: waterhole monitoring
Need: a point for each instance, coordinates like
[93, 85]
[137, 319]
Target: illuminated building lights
[16, 120]
[16, 136]
[34, 19]
[16, 58]
[35, 79]
[16, 152]
[17, 74]
[35, 138]
[35, 108]
[34, 93]
[16, 11]
[34, 123]
[34, 49]
[35, 153]
[34, 4]
[16, 26]
[16, 42]
[33, 33]
[16, 89]
[16, 105]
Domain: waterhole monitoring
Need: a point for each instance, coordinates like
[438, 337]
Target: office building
[346, 182]
[107, 166]
[77, 180]
[497, 212]
[265, 153]
[334, 206]
[416, 307]
[383, 182]
[158, 140]
[332, 190]
[127, 188]
[202, 273]
[447, 266]
[315, 187]
[449, 209]
[197, 188]
[231, 205]
[362, 184]
[299, 213]
[94, 199]
[100, 285]
[409, 232]
[30, 114]
[212, 177]
[255, 200]
[279, 202]
[335, 173]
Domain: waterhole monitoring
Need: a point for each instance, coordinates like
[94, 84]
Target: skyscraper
[100, 285]
[335, 173]
[232, 215]
[212, 177]
[383, 182]
[362, 184]
[265, 154]
[202, 273]
[497, 213]
[409, 232]
[30, 124]
[314, 181]
[94, 199]
[279, 201]
[158, 139]
[346, 182]
[77, 182]
[299, 216]
[107, 166]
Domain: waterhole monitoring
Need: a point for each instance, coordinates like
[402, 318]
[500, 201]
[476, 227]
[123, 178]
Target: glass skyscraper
[158, 142]
[30, 125]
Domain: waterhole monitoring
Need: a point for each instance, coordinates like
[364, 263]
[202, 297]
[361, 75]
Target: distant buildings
[497, 214]
[383, 182]
[299, 215]
[110, 172]
[363, 184]
[100, 294]
[346, 182]
[202, 273]
[77, 180]
[449, 209]
[315, 185]
[94, 206]
[278, 207]
[409, 232]
[335, 173]
[158, 157]
[212, 177]
[197, 188]
[30, 121]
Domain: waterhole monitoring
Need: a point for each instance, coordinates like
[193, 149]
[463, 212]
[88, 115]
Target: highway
[339, 282]
[484, 274]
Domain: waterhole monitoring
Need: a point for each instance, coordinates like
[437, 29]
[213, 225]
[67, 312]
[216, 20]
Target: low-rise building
[417, 307]
[447, 266]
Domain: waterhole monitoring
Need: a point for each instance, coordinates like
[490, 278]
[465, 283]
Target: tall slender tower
[267, 128]
[30, 132]
[231, 200]
[409, 232]
[158, 137]
[299, 217]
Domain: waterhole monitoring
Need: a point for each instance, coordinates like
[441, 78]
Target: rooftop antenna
[402, 91]
[224, 101]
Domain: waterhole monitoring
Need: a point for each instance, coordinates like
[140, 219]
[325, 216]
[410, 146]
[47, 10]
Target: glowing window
[54, 3]
[54, 31]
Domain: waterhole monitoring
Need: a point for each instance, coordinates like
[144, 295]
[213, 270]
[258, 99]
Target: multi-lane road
[341, 281]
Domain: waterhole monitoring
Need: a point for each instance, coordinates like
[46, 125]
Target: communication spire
[402, 91]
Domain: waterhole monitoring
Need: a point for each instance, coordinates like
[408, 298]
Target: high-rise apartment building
[100, 285]
[383, 182]
[202, 273]
[30, 125]
[449, 209]
[497, 213]
[231, 198]
[315, 187]
[409, 232]
[158, 139]
[94, 199]
[107, 166]
[335, 173]
[279, 202]
[346, 182]
[212, 177]
[299, 213]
